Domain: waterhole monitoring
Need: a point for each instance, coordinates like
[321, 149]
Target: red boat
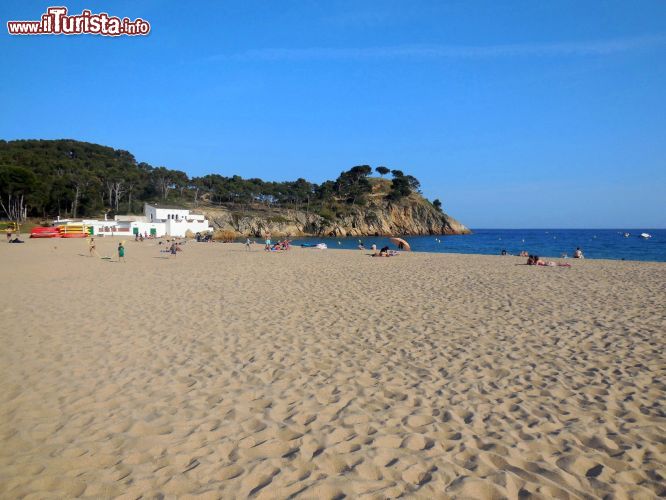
[45, 232]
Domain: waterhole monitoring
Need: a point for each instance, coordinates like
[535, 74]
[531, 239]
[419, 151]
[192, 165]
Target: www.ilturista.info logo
[56, 22]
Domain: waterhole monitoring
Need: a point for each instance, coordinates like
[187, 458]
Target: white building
[177, 221]
[163, 214]
[156, 222]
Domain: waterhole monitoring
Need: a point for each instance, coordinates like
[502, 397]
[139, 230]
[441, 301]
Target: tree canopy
[382, 170]
[44, 178]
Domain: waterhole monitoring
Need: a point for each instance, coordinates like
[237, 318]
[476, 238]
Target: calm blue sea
[595, 243]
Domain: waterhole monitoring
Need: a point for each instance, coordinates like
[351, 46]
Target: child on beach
[121, 252]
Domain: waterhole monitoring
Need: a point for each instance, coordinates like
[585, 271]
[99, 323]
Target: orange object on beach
[73, 231]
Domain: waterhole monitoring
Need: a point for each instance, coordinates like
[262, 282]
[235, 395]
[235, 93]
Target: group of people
[205, 238]
[173, 247]
[92, 249]
[578, 254]
[383, 252]
[279, 246]
[269, 246]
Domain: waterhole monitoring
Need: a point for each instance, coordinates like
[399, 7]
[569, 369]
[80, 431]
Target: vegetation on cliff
[44, 178]
[73, 178]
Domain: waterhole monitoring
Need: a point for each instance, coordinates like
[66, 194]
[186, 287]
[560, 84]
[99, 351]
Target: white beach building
[156, 221]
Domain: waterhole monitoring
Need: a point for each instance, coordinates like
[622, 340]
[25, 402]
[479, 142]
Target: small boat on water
[646, 236]
[626, 235]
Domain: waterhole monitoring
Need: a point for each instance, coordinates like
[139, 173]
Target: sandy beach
[223, 373]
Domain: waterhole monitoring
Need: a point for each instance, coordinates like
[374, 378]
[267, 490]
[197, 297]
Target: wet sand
[224, 373]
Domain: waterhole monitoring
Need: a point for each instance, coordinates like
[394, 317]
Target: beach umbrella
[400, 242]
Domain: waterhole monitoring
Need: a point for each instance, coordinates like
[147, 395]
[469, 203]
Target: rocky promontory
[410, 216]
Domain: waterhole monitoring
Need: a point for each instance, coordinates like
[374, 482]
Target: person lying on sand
[385, 252]
[280, 246]
[534, 260]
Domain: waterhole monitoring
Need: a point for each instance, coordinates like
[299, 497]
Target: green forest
[45, 178]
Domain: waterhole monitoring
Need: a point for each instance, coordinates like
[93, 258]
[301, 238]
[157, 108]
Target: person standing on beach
[92, 249]
[121, 252]
[248, 242]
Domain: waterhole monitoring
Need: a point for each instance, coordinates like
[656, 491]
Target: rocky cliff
[410, 216]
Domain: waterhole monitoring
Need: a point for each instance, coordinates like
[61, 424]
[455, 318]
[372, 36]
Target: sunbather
[534, 260]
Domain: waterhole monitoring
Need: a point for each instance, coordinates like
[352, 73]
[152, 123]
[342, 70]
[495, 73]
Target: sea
[616, 244]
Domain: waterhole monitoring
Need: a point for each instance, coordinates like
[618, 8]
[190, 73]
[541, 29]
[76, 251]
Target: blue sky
[514, 114]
